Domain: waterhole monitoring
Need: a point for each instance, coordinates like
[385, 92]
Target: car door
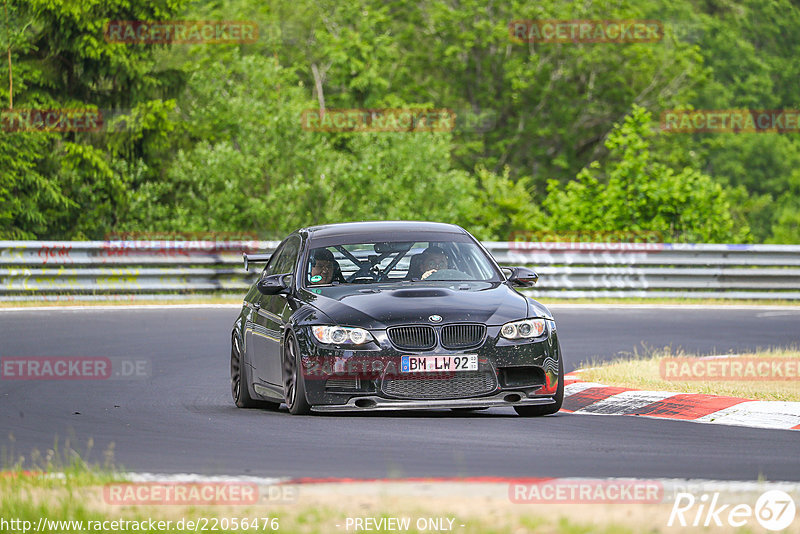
[257, 336]
[271, 313]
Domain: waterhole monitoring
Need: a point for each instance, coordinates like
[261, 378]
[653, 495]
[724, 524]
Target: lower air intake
[457, 385]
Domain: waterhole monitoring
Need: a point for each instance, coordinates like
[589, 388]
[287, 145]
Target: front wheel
[547, 409]
[294, 386]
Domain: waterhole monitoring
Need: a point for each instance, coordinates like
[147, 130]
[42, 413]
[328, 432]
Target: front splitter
[375, 403]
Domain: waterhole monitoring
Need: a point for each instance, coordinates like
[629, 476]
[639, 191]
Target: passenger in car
[428, 262]
[415, 267]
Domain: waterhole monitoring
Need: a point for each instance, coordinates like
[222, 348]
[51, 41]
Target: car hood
[381, 305]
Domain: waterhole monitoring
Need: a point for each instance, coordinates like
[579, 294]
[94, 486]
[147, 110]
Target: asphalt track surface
[181, 419]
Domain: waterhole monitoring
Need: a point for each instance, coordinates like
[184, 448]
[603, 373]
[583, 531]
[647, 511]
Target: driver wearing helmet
[323, 267]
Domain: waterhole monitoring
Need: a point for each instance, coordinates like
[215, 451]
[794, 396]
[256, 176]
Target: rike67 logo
[774, 510]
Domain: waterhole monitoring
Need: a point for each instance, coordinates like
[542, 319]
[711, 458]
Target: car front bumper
[510, 373]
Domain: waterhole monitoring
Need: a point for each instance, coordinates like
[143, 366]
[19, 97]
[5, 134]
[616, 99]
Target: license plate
[432, 364]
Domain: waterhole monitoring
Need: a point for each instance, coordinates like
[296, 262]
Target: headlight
[523, 329]
[341, 335]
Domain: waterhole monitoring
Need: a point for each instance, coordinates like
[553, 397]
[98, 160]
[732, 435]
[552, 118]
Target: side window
[288, 259]
[283, 259]
[273, 260]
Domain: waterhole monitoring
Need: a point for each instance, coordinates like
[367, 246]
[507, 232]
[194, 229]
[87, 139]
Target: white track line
[669, 484]
[759, 414]
[193, 477]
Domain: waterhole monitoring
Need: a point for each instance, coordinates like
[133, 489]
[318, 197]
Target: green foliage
[633, 191]
[503, 208]
[75, 61]
[209, 137]
[786, 228]
[64, 186]
[255, 169]
[27, 194]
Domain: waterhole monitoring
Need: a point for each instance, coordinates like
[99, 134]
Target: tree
[27, 192]
[72, 184]
[633, 191]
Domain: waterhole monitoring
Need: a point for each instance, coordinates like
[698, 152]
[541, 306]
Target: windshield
[398, 261]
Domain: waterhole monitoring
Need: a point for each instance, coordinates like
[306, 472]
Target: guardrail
[96, 270]
[657, 270]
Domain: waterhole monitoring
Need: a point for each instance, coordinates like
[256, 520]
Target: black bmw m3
[392, 316]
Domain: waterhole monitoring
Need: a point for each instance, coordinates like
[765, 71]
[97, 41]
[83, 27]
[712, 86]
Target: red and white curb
[598, 399]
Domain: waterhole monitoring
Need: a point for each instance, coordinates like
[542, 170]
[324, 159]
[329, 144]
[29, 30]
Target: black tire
[547, 409]
[294, 385]
[240, 381]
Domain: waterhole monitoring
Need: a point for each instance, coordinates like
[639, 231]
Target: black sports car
[390, 316]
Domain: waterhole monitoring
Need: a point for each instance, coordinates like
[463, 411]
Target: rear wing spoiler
[254, 258]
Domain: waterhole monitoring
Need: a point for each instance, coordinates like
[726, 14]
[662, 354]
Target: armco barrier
[96, 270]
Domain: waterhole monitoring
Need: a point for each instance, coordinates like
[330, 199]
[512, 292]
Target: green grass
[29, 498]
[60, 486]
[642, 371]
[68, 488]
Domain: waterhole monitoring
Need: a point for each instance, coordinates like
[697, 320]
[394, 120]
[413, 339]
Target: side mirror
[274, 284]
[521, 276]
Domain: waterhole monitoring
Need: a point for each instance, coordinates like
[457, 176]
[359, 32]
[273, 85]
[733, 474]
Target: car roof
[380, 227]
